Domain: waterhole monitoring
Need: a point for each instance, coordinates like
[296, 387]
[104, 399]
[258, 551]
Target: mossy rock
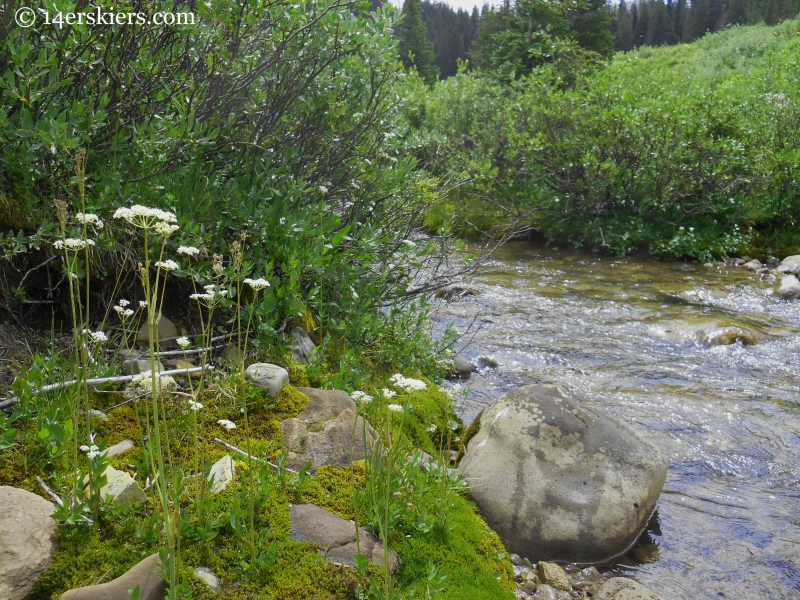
[12, 214]
[473, 428]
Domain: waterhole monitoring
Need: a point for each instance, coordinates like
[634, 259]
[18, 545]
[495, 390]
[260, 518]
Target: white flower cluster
[388, 394]
[395, 408]
[145, 217]
[227, 424]
[73, 244]
[183, 342]
[188, 250]
[122, 311]
[257, 284]
[168, 265]
[212, 294]
[91, 451]
[98, 337]
[89, 219]
[195, 406]
[407, 384]
[360, 396]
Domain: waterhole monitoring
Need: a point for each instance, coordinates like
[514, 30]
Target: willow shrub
[679, 151]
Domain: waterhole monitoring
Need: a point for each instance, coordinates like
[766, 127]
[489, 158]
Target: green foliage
[679, 151]
[415, 50]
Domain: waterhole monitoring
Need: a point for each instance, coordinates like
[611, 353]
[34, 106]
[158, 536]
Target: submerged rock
[789, 288]
[622, 588]
[268, 377]
[27, 541]
[302, 345]
[147, 575]
[728, 336]
[753, 265]
[323, 431]
[463, 368]
[337, 537]
[558, 481]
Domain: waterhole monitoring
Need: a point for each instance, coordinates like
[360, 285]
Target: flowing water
[636, 338]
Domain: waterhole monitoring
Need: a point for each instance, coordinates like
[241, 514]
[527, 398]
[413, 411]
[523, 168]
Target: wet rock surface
[558, 481]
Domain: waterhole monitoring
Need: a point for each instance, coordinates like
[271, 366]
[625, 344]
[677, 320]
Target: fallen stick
[242, 452]
[100, 380]
[50, 492]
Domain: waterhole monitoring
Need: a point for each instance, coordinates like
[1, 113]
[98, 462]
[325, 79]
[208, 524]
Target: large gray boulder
[27, 541]
[622, 588]
[147, 575]
[558, 481]
[789, 288]
[790, 264]
[323, 432]
[337, 537]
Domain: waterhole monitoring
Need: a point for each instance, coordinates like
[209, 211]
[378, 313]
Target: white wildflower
[388, 394]
[183, 342]
[143, 303]
[165, 229]
[195, 406]
[91, 451]
[407, 384]
[257, 284]
[360, 396]
[409, 243]
[188, 250]
[432, 428]
[227, 424]
[73, 244]
[168, 265]
[145, 217]
[123, 313]
[123, 303]
[201, 297]
[89, 219]
[395, 408]
[323, 189]
[98, 337]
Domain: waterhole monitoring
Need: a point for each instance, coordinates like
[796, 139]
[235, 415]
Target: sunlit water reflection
[634, 337]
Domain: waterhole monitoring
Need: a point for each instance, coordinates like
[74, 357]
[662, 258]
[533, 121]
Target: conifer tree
[661, 31]
[643, 22]
[414, 47]
[623, 40]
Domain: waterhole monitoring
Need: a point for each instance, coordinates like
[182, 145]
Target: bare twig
[243, 453]
[50, 492]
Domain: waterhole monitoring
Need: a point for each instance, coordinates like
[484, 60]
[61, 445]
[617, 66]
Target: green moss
[332, 488]
[473, 429]
[290, 402]
[298, 373]
[468, 552]
[309, 324]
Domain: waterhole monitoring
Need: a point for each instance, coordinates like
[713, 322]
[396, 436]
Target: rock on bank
[559, 481]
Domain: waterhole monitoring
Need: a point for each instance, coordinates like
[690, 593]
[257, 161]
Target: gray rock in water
[587, 577]
[726, 336]
[545, 592]
[336, 537]
[135, 367]
[463, 368]
[323, 431]
[560, 482]
[118, 448]
[622, 588]
[753, 265]
[268, 377]
[488, 361]
[772, 261]
[302, 345]
[790, 264]
[789, 288]
[553, 574]
[763, 271]
[27, 541]
[147, 575]
[165, 329]
[223, 472]
[208, 577]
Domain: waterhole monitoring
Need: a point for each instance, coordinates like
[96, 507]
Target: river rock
[208, 577]
[302, 345]
[772, 261]
[789, 288]
[323, 431]
[118, 448]
[558, 481]
[753, 265]
[587, 577]
[463, 368]
[137, 366]
[336, 537]
[147, 575]
[166, 329]
[790, 264]
[121, 487]
[27, 541]
[622, 588]
[552, 574]
[545, 592]
[726, 336]
[223, 472]
[268, 377]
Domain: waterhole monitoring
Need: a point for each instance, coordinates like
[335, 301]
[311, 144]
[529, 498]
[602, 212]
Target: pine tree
[737, 13]
[623, 40]
[643, 22]
[416, 51]
[697, 22]
[661, 31]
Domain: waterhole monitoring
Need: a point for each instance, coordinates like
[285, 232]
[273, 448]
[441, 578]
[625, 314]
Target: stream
[640, 339]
